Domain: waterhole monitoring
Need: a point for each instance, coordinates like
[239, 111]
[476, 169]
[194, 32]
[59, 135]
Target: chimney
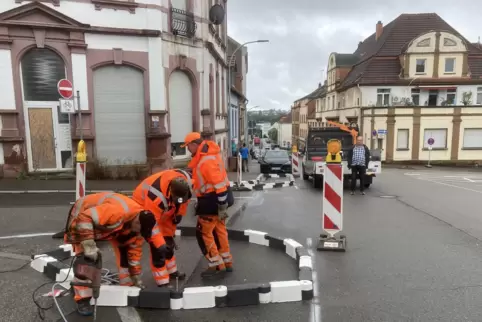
[359, 44]
[319, 85]
[379, 30]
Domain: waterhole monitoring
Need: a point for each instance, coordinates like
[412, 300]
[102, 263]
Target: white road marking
[315, 308]
[128, 314]
[27, 235]
[243, 197]
[454, 186]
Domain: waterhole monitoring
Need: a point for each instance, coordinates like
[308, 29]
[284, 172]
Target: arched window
[41, 71]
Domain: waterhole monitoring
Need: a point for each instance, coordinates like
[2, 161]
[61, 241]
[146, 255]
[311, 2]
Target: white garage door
[119, 115]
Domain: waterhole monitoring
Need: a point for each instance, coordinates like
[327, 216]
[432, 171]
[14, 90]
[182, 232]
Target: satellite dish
[216, 14]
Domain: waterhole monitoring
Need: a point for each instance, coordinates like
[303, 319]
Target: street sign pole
[80, 116]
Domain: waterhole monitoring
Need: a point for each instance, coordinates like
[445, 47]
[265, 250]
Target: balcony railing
[182, 23]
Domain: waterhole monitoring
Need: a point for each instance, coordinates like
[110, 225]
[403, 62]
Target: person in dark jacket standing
[358, 158]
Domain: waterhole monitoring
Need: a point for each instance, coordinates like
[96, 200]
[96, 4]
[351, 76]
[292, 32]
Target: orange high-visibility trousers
[212, 237]
[158, 266]
[82, 292]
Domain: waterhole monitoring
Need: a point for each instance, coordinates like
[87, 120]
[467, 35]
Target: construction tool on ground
[91, 271]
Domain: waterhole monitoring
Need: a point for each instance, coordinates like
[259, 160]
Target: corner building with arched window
[147, 73]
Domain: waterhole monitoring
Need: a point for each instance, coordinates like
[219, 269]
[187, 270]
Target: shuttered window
[41, 71]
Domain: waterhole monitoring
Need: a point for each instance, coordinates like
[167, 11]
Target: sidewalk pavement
[68, 185]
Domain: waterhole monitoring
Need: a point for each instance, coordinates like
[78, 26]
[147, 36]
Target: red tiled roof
[379, 61]
[286, 119]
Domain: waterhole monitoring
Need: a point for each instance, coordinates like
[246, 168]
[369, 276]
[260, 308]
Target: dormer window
[424, 43]
[449, 42]
[420, 66]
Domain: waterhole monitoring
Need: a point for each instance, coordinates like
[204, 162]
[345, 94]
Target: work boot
[362, 193]
[213, 271]
[84, 308]
[180, 275]
[352, 193]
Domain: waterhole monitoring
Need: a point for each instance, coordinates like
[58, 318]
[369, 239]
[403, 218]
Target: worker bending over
[214, 196]
[165, 194]
[113, 217]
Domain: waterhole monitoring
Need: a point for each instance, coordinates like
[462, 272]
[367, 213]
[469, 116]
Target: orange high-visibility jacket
[100, 216]
[153, 195]
[208, 172]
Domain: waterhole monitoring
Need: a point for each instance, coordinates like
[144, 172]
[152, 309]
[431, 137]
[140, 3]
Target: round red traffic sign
[430, 141]
[65, 88]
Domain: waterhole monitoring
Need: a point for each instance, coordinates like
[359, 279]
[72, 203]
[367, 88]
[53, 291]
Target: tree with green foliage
[273, 134]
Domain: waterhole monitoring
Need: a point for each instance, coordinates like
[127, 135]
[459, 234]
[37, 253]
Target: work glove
[177, 219]
[223, 211]
[136, 279]
[90, 249]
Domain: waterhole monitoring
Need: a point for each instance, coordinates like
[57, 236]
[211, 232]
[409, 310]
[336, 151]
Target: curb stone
[50, 265]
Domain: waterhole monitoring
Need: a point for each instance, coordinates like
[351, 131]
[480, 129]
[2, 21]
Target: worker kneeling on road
[214, 196]
[165, 194]
[114, 217]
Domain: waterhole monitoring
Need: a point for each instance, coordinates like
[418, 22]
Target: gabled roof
[346, 60]
[319, 92]
[379, 62]
[286, 119]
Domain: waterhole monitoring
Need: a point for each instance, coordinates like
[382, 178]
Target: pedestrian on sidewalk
[244, 158]
[166, 194]
[358, 158]
[214, 197]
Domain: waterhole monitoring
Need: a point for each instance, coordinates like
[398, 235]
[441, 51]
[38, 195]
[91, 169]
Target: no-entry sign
[430, 141]
[65, 89]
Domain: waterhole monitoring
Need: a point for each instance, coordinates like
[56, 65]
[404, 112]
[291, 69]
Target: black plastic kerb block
[278, 185]
[52, 269]
[188, 231]
[275, 242]
[264, 288]
[176, 295]
[242, 295]
[155, 298]
[237, 235]
[307, 295]
[305, 274]
[59, 254]
[220, 301]
[133, 301]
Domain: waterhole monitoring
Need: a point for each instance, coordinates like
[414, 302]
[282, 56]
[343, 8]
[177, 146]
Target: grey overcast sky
[302, 34]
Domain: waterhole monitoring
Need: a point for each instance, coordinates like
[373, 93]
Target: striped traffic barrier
[295, 164]
[332, 220]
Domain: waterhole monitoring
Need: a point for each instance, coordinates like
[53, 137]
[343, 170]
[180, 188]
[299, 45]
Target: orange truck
[315, 151]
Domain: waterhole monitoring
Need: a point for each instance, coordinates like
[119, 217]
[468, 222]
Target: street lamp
[230, 85]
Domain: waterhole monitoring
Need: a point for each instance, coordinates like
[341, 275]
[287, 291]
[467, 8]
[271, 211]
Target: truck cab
[315, 151]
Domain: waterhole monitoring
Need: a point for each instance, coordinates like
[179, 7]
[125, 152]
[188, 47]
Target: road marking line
[27, 235]
[128, 314]
[454, 186]
[315, 308]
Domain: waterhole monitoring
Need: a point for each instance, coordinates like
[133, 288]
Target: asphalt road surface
[413, 253]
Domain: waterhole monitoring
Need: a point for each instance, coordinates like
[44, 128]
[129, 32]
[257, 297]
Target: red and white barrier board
[80, 180]
[295, 164]
[333, 198]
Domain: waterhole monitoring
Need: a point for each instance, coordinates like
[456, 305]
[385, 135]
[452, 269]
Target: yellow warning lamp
[334, 148]
[294, 149]
[81, 155]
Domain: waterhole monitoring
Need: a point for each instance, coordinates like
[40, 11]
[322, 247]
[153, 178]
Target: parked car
[274, 161]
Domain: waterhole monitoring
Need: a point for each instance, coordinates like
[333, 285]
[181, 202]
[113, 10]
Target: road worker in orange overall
[166, 194]
[113, 217]
[214, 196]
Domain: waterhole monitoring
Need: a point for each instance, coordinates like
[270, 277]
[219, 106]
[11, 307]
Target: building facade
[238, 70]
[147, 72]
[284, 128]
[415, 71]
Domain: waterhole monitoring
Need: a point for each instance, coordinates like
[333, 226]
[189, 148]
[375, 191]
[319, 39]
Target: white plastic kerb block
[305, 261]
[40, 261]
[257, 237]
[68, 248]
[112, 295]
[286, 291]
[291, 246]
[198, 298]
